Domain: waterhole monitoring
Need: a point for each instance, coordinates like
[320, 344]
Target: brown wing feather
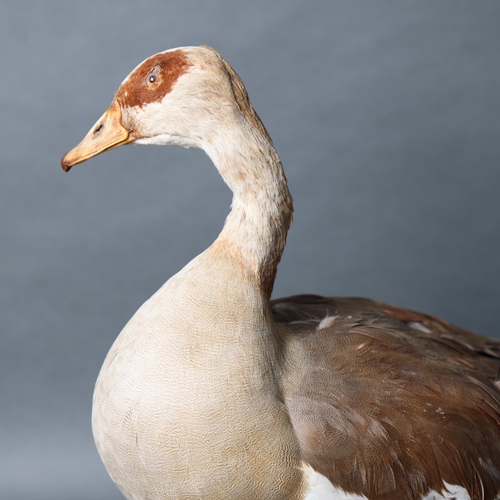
[390, 403]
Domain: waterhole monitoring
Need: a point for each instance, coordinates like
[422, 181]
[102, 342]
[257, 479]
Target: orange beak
[107, 133]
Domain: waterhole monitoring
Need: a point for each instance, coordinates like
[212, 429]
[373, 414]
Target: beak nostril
[98, 128]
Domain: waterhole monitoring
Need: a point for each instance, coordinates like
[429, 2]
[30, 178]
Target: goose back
[391, 403]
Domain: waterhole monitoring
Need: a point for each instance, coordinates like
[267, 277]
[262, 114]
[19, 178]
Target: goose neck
[254, 233]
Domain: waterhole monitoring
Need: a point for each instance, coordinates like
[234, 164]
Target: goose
[214, 391]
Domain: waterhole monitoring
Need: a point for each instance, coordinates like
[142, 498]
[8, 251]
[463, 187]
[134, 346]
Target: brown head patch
[153, 79]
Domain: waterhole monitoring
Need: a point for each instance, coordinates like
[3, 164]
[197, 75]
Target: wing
[390, 403]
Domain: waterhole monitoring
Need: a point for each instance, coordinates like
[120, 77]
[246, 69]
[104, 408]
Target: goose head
[185, 96]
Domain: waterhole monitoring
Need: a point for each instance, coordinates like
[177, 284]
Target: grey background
[385, 113]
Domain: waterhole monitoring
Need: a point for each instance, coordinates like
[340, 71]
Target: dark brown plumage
[388, 402]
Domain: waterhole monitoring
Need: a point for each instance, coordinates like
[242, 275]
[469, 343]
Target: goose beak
[106, 134]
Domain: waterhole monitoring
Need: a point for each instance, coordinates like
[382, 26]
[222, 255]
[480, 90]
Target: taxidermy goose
[214, 392]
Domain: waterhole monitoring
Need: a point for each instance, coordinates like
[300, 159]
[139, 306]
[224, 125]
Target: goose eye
[154, 75]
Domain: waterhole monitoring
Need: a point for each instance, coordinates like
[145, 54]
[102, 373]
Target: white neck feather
[255, 230]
